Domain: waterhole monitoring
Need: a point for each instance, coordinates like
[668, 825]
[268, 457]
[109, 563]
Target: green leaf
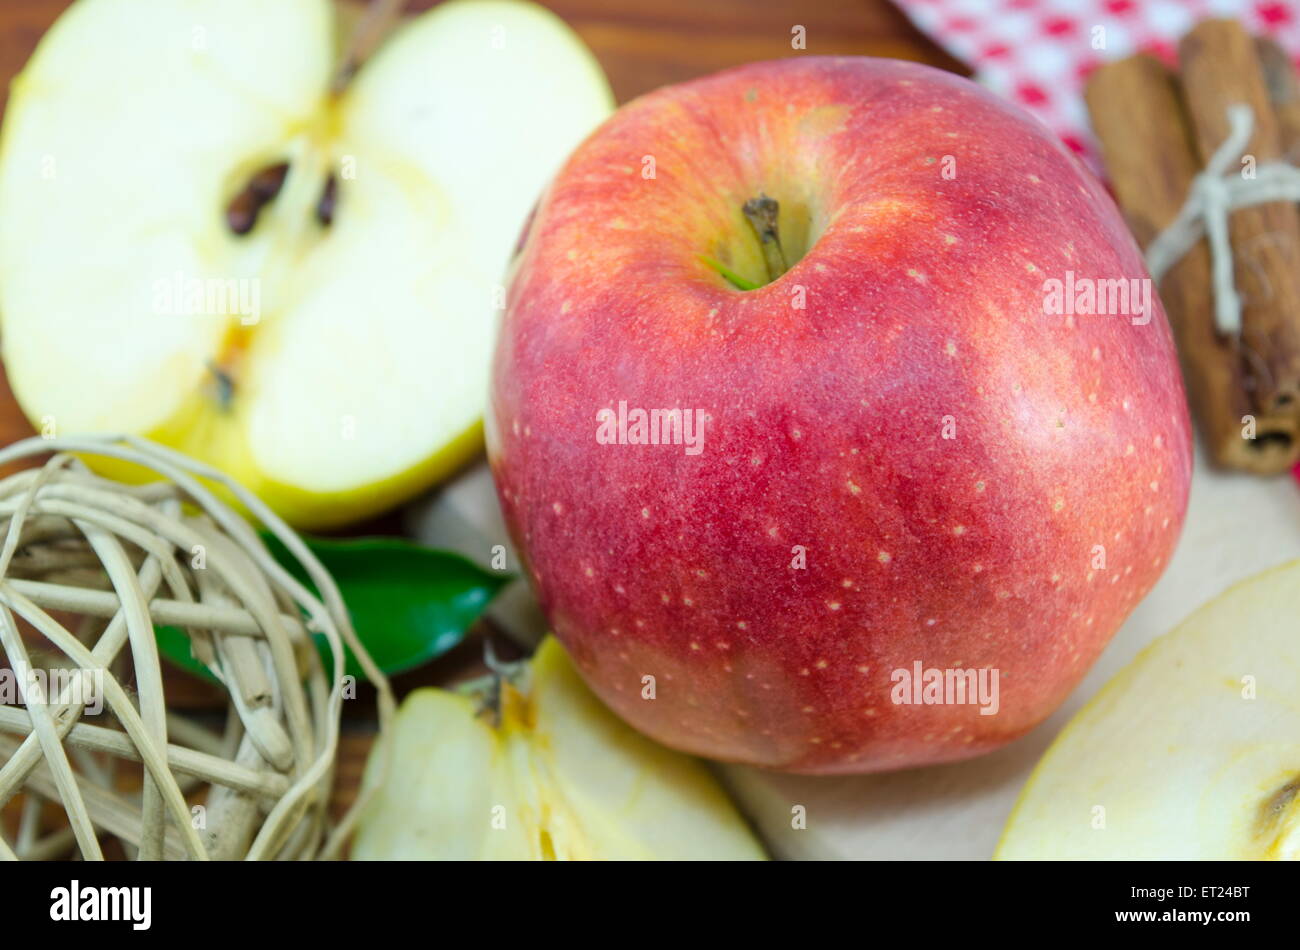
[174, 644]
[408, 603]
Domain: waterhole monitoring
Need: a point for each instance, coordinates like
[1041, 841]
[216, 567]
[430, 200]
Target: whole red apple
[922, 447]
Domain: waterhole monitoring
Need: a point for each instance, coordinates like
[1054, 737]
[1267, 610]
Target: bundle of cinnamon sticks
[1158, 130]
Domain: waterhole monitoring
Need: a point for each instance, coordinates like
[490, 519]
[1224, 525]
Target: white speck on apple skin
[884, 557]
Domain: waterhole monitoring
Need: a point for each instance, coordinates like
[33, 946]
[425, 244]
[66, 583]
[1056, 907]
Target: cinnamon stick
[1284, 93]
[1147, 144]
[1220, 68]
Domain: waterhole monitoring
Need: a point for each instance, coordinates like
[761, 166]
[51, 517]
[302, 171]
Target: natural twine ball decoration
[92, 565]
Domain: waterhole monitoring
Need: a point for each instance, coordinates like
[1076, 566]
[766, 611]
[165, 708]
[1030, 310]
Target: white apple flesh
[560, 777]
[345, 367]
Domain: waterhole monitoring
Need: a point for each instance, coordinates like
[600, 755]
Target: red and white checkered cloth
[1039, 52]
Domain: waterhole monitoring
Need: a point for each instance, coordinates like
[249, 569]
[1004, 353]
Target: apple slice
[560, 778]
[1191, 751]
[334, 355]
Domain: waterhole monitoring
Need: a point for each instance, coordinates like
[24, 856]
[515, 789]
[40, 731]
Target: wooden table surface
[641, 46]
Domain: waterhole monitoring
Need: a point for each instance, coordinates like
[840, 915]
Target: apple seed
[242, 212]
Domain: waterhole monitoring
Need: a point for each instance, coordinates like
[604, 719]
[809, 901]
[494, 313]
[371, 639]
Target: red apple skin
[924, 306]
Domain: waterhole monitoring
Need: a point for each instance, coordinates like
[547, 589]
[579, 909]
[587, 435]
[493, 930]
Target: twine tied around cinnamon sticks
[1214, 194]
[1225, 252]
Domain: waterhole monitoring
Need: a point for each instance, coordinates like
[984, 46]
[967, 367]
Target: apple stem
[375, 25]
[762, 213]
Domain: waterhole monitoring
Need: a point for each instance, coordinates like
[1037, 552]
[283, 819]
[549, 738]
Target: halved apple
[334, 355]
[559, 777]
[1191, 751]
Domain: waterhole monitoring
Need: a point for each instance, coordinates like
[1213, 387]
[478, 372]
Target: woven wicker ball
[91, 565]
